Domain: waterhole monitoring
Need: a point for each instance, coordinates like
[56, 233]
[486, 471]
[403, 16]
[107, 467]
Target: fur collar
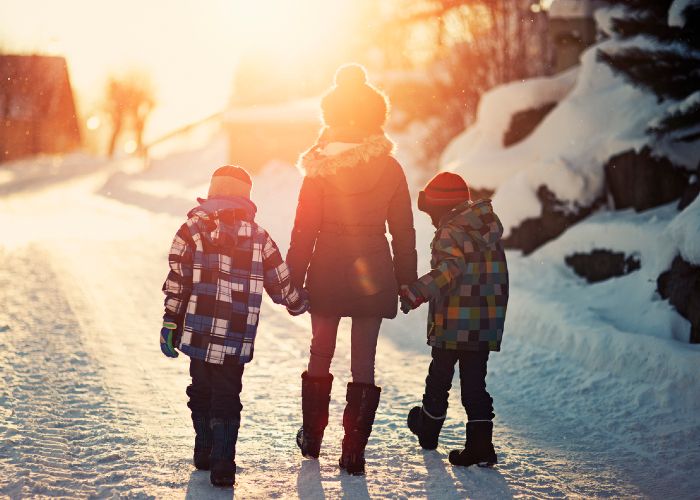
[316, 163]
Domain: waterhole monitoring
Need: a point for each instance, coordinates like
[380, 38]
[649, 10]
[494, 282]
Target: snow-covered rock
[602, 116]
[684, 232]
[477, 152]
[641, 181]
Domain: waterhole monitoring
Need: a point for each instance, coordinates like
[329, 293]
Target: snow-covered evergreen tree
[665, 59]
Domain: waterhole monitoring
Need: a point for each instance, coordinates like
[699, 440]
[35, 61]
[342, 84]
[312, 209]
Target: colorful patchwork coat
[220, 262]
[468, 284]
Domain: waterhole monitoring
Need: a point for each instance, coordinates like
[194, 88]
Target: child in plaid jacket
[468, 293]
[220, 262]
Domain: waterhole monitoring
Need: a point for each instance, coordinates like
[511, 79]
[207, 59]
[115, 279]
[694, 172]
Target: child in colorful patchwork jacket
[220, 262]
[468, 293]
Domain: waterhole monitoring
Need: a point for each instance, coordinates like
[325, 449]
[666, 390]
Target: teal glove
[167, 339]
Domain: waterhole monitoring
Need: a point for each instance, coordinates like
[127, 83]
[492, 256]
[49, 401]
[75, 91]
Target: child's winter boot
[426, 426]
[223, 453]
[315, 396]
[478, 449]
[202, 441]
[362, 402]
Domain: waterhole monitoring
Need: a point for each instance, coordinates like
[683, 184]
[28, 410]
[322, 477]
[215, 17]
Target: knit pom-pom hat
[353, 105]
[230, 180]
[444, 190]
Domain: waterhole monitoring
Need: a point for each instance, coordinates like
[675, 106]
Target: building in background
[37, 109]
[572, 29]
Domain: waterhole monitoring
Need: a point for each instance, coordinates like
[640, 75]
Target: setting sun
[190, 49]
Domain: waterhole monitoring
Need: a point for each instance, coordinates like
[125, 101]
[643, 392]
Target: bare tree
[129, 100]
[470, 46]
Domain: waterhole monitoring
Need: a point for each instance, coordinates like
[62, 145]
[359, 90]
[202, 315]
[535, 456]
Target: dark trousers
[472, 374]
[215, 389]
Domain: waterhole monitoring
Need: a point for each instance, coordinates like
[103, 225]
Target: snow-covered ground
[589, 401]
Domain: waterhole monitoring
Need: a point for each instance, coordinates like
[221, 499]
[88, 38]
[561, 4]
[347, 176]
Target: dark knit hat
[230, 181]
[353, 105]
[444, 190]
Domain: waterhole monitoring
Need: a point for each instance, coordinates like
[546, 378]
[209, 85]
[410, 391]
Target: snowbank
[684, 233]
[602, 116]
[620, 325]
[599, 115]
[570, 147]
[644, 235]
[476, 153]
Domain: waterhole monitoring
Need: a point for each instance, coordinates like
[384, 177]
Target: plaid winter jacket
[468, 285]
[220, 261]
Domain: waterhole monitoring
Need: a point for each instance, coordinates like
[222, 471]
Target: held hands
[168, 339]
[300, 306]
[410, 298]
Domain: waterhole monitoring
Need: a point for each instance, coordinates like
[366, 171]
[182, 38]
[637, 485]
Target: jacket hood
[477, 219]
[219, 217]
[346, 164]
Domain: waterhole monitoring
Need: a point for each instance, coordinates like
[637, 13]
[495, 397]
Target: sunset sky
[190, 48]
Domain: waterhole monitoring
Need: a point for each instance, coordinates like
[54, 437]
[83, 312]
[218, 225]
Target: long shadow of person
[479, 482]
[199, 487]
[309, 480]
[438, 482]
[354, 487]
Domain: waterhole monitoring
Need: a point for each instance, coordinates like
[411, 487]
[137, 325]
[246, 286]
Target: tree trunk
[113, 140]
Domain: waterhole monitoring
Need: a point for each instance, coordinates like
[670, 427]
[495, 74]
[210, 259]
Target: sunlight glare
[93, 123]
[286, 29]
[130, 146]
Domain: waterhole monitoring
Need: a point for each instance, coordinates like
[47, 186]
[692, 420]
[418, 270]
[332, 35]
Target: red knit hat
[444, 190]
[230, 181]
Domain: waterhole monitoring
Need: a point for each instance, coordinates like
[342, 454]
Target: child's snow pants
[215, 389]
[472, 374]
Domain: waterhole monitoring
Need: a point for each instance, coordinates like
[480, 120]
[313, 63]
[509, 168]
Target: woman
[352, 188]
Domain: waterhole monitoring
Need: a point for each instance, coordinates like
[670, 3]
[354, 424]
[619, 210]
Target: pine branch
[667, 73]
[679, 120]
[656, 8]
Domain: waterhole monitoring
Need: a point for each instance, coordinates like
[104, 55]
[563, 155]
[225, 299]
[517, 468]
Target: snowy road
[90, 407]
